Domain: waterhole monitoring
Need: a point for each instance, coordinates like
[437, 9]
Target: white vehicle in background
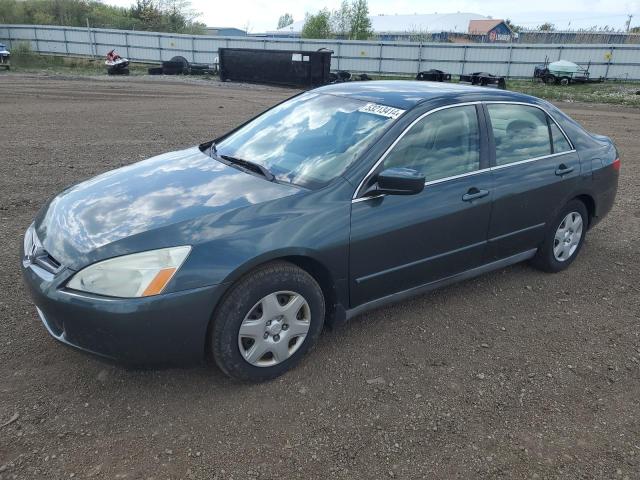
[5, 56]
[564, 72]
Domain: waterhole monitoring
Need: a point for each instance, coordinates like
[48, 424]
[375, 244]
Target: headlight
[137, 275]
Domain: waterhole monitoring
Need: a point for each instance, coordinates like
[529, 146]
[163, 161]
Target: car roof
[406, 94]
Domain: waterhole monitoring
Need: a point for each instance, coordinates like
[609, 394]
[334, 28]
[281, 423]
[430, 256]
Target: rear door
[399, 242]
[534, 170]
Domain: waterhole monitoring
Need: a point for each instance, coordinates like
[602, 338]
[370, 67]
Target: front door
[400, 242]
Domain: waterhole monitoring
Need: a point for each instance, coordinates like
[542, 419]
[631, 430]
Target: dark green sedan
[336, 201]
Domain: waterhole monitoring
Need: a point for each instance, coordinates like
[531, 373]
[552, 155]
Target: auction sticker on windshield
[383, 110]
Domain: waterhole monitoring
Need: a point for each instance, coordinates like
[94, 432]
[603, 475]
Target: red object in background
[113, 56]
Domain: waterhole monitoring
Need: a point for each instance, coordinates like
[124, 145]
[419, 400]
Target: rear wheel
[267, 322]
[564, 238]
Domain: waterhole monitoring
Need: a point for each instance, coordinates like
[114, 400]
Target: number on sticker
[382, 110]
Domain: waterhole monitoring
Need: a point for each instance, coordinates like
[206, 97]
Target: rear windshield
[310, 139]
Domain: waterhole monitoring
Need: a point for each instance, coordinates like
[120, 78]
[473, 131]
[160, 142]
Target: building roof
[482, 27]
[225, 30]
[427, 23]
[406, 94]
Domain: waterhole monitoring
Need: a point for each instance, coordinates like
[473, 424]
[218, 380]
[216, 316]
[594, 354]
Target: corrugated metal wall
[403, 58]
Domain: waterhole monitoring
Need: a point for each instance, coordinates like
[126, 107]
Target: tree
[351, 21]
[318, 25]
[154, 15]
[512, 26]
[285, 20]
[360, 22]
[546, 27]
[635, 30]
[341, 20]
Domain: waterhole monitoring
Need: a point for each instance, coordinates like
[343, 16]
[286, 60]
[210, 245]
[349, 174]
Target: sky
[262, 15]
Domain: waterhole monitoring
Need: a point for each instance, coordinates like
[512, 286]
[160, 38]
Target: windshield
[310, 139]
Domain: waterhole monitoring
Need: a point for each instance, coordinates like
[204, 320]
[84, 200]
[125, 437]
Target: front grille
[47, 262]
[34, 253]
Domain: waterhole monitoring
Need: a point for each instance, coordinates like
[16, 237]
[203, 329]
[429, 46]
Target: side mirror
[400, 181]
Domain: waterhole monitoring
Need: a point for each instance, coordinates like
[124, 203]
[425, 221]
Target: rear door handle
[474, 194]
[563, 170]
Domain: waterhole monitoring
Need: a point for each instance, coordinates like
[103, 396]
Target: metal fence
[590, 37]
[375, 57]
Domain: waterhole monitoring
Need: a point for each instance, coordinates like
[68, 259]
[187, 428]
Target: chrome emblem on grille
[36, 251]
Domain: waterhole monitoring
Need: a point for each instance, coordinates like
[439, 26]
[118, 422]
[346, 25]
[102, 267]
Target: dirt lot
[516, 374]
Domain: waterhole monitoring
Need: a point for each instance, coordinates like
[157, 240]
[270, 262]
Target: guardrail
[383, 58]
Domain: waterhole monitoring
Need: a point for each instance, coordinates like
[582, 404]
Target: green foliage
[619, 93]
[285, 20]
[318, 25]
[546, 27]
[21, 49]
[350, 22]
[56, 65]
[360, 22]
[341, 20]
[152, 15]
[514, 28]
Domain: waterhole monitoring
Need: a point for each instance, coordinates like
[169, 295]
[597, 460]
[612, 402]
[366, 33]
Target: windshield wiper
[256, 167]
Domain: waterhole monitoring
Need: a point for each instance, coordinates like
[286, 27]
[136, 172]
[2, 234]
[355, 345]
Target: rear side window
[520, 132]
[560, 143]
[443, 144]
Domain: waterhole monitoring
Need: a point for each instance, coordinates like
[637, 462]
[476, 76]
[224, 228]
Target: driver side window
[442, 144]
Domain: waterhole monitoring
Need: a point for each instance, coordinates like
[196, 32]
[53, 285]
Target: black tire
[185, 66]
[240, 300]
[545, 259]
[179, 58]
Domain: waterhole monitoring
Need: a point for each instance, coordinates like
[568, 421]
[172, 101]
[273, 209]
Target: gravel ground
[516, 374]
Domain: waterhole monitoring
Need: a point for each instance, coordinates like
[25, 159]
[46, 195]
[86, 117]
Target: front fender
[244, 239]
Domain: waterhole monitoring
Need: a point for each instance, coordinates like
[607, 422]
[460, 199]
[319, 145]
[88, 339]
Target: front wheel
[564, 238]
[265, 324]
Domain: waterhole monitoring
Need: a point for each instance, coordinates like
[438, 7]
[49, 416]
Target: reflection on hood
[151, 194]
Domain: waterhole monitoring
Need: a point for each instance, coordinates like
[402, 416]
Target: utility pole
[629, 22]
[91, 42]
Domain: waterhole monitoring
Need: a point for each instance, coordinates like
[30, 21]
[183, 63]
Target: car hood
[168, 189]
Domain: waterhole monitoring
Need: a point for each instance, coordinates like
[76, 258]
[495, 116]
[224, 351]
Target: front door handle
[563, 170]
[474, 194]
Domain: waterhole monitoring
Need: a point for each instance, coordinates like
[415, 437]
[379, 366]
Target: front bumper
[168, 329]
